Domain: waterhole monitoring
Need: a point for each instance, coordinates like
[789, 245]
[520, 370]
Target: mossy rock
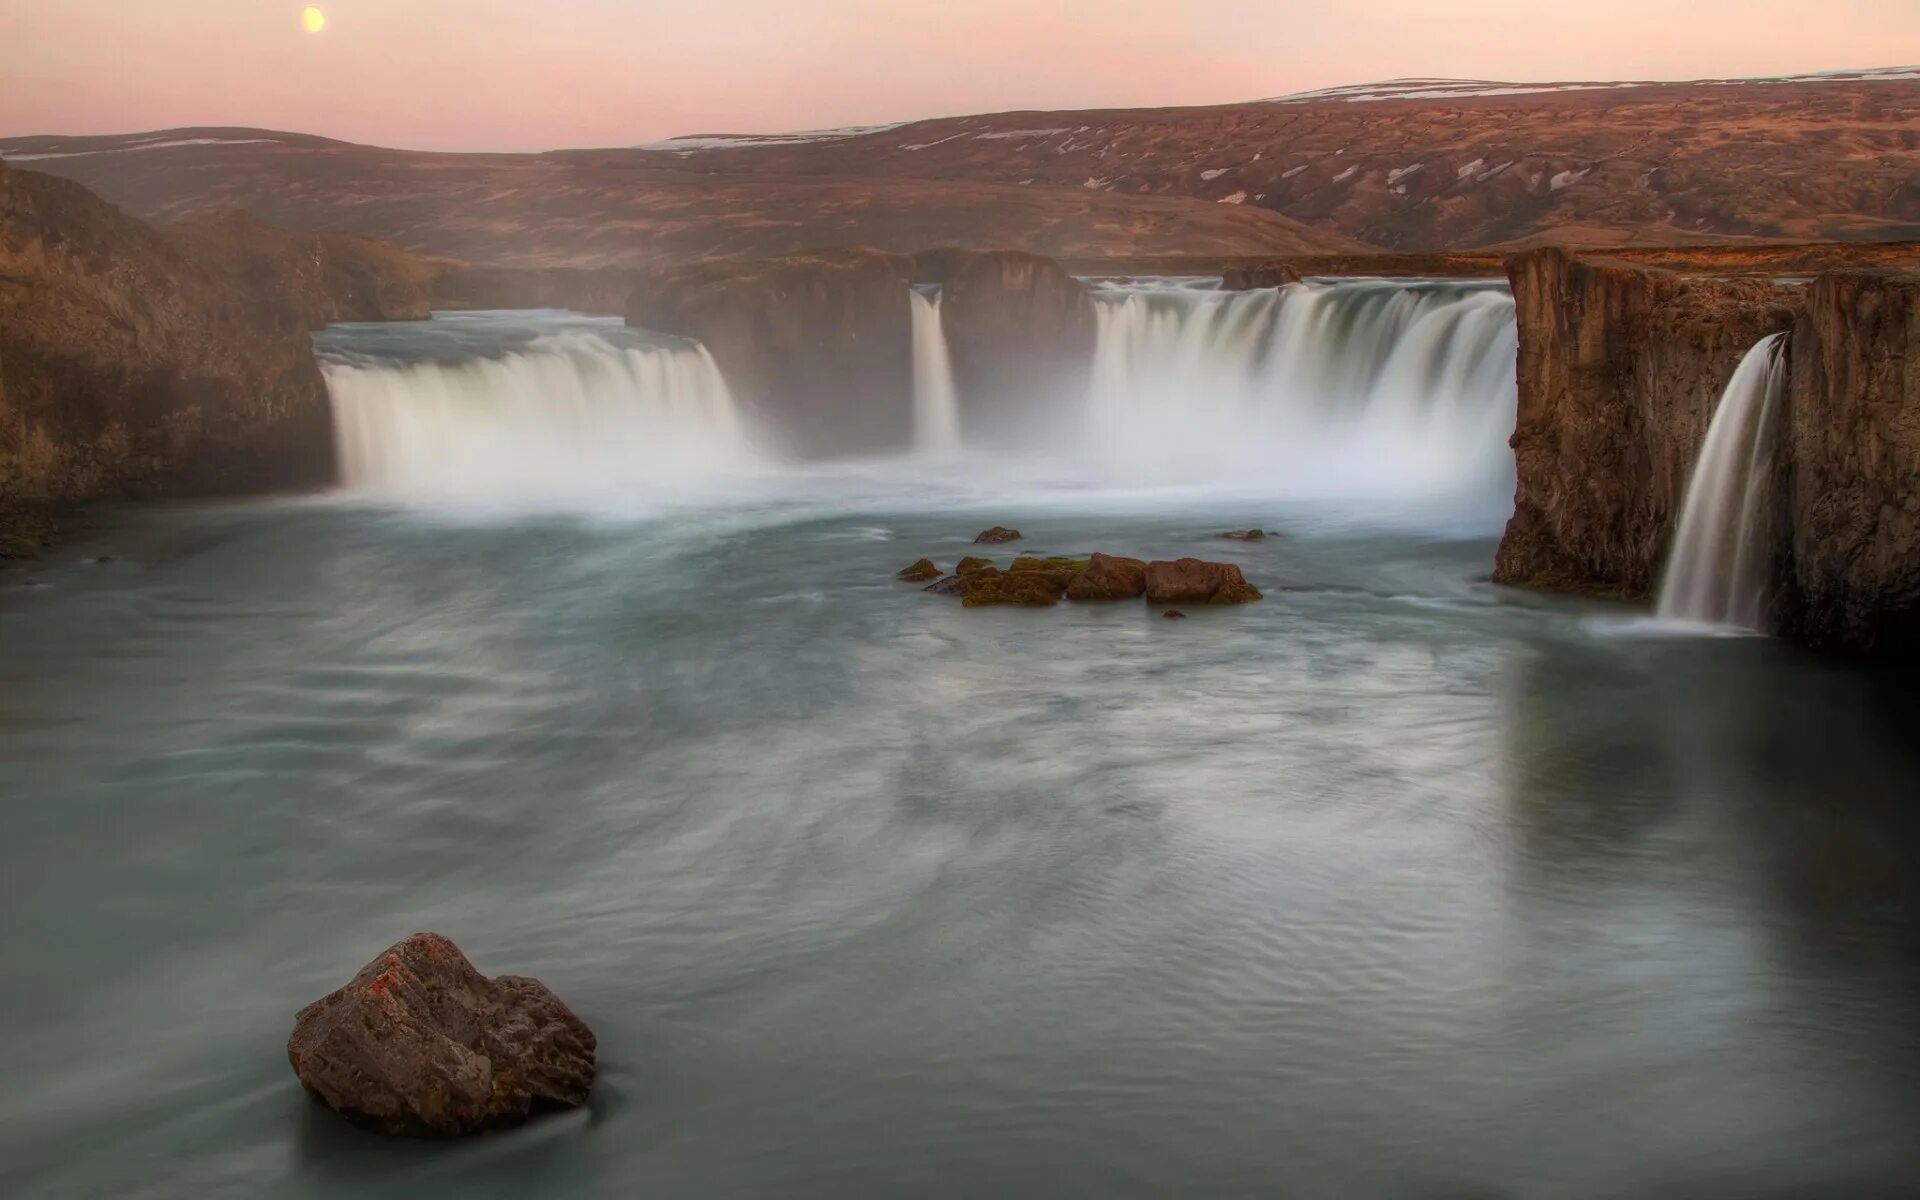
[970, 564]
[1030, 563]
[996, 535]
[1109, 577]
[919, 572]
[1035, 589]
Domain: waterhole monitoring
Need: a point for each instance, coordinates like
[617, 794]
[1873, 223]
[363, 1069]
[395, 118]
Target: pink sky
[526, 74]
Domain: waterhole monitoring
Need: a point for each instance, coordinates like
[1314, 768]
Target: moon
[314, 20]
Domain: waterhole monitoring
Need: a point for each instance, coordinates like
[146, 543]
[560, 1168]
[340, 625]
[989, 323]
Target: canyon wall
[137, 360]
[1620, 368]
[1853, 465]
[807, 343]
[1021, 333]
[819, 347]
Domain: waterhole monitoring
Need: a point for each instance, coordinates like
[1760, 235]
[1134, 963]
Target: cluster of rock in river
[1037, 582]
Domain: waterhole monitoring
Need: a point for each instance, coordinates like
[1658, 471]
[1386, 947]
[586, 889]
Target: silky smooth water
[1395, 884]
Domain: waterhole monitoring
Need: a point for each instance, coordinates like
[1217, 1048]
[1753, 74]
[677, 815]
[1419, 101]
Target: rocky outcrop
[920, 572]
[1020, 331]
[1852, 462]
[602, 291]
[137, 360]
[1109, 577]
[420, 1044]
[996, 535]
[1620, 369]
[817, 347]
[1192, 580]
[1245, 277]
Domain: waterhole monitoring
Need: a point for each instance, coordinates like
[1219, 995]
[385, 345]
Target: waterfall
[1371, 388]
[1717, 572]
[487, 407]
[936, 412]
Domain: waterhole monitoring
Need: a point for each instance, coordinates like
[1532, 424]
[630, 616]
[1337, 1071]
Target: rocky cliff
[818, 347]
[1853, 465]
[1020, 330]
[1620, 368]
[137, 360]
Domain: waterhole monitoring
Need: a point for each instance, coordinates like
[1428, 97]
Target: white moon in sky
[314, 20]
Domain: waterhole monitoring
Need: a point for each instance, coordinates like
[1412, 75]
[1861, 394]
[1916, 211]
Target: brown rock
[1245, 535]
[421, 1044]
[1108, 577]
[996, 535]
[1247, 276]
[1032, 563]
[1021, 330]
[1032, 588]
[1174, 614]
[919, 572]
[1853, 452]
[1620, 370]
[818, 347]
[1190, 580]
[971, 564]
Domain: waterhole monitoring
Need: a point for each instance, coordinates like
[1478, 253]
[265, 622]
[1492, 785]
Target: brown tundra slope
[1424, 165]
[561, 210]
[1416, 166]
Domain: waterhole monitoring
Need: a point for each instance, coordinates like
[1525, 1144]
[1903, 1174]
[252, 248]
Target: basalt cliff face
[1620, 369]
[805, 342]
[819, 347]
[137, 360]
[1020, 331]
[1853, 465]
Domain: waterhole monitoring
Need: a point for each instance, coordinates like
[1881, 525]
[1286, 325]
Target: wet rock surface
[420, 1044]
[996, 536]
[1193, 580]
[919, 572]
[1109, 577]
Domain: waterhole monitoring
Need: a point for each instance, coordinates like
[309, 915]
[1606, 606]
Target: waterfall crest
[1356, 387]
[936, 408]
[572, 407]
[1717, 571]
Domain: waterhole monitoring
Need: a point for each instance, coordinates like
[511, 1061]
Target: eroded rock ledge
[170, 360]
[1621, 368]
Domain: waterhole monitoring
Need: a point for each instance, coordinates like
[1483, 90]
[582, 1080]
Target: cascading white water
[1353, 388]
[576, 406]
[1717, 571]
[936, 411]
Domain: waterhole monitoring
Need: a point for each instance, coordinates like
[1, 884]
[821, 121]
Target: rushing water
[936, 408]
[1354, 388]
[1393, 885]
[1717, 571]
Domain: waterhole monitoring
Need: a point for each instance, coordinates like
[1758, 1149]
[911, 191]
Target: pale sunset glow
[515, 74]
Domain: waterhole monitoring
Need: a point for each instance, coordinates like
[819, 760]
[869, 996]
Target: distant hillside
[566, 210]
[1431, 164]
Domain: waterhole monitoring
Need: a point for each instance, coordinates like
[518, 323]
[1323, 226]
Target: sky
[540, 74]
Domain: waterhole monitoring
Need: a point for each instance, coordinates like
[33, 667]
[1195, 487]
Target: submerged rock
[1191, 580]
[1244, 535]
[919, 572]
[1174, 614]
[996, 535]
[421, 1044]
[1108, 577]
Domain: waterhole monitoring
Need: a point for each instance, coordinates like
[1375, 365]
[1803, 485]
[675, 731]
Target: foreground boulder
[1192, 580]
[421, 1044]
[1109, 577]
